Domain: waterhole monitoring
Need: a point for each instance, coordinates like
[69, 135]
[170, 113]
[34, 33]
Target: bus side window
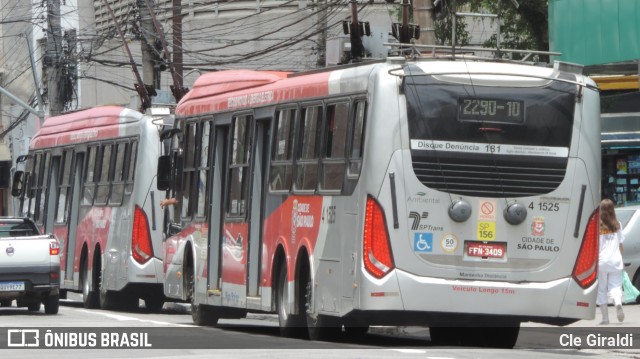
[333, 162]
[281, 173]
[32, 183]
[102, 194]
[90, 177]
[117, 185]
[239, 166]
[204, 144]
[307, 158]
[131, 153]
[41, 189]
[64, 187]
[357, 139]
[189, 170]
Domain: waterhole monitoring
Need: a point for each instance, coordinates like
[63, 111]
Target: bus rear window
[541, 116]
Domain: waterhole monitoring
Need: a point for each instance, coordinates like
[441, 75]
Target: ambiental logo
[10, 251]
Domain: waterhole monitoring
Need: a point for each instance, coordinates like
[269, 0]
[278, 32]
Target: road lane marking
[125, 318]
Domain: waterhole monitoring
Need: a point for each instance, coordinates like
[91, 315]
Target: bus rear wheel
[200, 314]
[90, 295]
[319, 327]
[290, 324]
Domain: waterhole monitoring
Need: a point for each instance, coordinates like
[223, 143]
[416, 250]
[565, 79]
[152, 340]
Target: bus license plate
[486, 250]
[11, 286]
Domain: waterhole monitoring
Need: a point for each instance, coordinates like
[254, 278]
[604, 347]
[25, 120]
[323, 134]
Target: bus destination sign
[490, 110]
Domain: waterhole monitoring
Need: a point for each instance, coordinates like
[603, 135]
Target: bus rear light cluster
[141, 245]
[54, 248]
[377, 257]
[585, 269]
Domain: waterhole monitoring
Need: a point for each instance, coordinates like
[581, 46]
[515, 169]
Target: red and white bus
[89, 178]
[436, 192]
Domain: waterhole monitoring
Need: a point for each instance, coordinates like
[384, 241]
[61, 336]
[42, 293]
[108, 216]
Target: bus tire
[319, 327]
[90, 296]
[153, 303]
[52, 304]
[290, 324]
[200, 314]
[203, 315]
[445, 336]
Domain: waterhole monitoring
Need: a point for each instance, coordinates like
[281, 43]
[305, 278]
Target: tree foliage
[523, 28]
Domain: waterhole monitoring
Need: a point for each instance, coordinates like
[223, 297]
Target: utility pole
[53, 57]
[149, 74]
[423, 15]
[322, 36]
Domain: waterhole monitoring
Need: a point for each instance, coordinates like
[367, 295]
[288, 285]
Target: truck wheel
[33, 307]
[51, 304]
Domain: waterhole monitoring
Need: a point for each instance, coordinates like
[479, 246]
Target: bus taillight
[141, 246]
[377, 256]
[585, 269]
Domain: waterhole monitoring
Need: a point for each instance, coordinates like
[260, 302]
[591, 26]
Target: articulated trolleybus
[440, 193]
[90, 179]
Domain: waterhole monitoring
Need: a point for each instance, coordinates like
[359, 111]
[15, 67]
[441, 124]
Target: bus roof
[238, 89]
[81, 126]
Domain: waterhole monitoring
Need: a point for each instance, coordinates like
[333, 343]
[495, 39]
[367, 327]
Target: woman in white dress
[610, 263]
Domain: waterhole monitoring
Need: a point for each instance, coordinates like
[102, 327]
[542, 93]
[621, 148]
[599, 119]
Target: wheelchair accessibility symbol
[423, 242]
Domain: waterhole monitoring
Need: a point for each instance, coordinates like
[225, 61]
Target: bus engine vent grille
[492, 178]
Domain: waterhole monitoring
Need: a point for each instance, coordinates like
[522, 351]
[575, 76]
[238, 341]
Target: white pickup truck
[29, 266]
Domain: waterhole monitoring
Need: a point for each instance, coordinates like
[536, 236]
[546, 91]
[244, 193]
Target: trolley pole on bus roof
[140, 86]
[23, 104]
[356, 29]
[423, 12]
[177, 89]
[404, 32]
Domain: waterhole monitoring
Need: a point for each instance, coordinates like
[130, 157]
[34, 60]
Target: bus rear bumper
[548, 302]
[150, 272]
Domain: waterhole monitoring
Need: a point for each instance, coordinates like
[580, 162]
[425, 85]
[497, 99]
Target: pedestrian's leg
[615, 288]
[602, 299]
[605, 314]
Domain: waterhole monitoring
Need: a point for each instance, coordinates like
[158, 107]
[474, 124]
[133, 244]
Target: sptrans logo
[80, 338]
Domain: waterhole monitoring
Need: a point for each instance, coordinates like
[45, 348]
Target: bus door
[218, 171]
[256, 205]
[235, 229]
[72, 221]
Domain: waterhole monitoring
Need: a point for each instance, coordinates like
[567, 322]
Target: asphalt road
[258, 336]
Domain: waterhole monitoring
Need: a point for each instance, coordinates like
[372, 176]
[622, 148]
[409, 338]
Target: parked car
[630, 219]
[29, 266]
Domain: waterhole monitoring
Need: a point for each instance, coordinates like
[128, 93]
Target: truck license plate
[11, 286]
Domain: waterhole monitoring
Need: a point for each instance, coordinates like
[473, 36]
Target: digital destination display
[490, 110]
